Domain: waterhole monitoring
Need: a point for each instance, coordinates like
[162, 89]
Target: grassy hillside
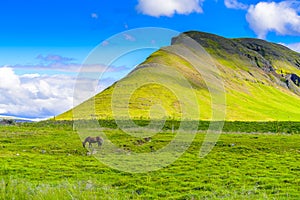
[256, 75]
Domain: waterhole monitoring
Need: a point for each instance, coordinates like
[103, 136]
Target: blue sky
[44, 42]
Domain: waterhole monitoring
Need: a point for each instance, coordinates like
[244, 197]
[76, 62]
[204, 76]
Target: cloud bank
[42, 96]
[34, 95]
[38, 95]
[157, 8]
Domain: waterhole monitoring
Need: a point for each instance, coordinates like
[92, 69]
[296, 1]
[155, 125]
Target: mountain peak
[261, 81]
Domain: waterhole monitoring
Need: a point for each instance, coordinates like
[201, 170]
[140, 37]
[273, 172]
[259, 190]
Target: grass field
[47, 161]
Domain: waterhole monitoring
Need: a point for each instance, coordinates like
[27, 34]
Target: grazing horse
[91, 140]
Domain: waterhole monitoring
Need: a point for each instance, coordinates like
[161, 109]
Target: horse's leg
[90, 144]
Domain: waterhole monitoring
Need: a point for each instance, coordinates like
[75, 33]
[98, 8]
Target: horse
[91, 140]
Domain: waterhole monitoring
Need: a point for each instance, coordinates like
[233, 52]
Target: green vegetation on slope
[255, 73]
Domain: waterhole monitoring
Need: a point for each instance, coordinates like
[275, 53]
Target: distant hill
[8, 120]
[261, 81]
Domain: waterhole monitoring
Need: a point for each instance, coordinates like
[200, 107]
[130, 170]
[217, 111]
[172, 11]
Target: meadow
[251, 160]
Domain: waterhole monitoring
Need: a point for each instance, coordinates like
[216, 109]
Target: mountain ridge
[260, 52]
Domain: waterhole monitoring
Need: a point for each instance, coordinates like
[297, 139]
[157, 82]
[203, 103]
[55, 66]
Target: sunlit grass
[47, 161]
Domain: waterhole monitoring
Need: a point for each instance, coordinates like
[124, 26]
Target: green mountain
[260, 82]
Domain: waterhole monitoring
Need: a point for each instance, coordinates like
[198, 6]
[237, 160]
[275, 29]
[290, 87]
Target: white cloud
[281, 18]
[94, 15]
[42, 96]
[33, 95]
[129, 37]
[293, 46]
[157, 8]
[105, 43]
[234, 4]
[8, 78]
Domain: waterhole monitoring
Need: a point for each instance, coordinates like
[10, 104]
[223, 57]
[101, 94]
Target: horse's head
[99, 140]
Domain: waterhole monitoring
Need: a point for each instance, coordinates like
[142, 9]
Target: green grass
[46, 161]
